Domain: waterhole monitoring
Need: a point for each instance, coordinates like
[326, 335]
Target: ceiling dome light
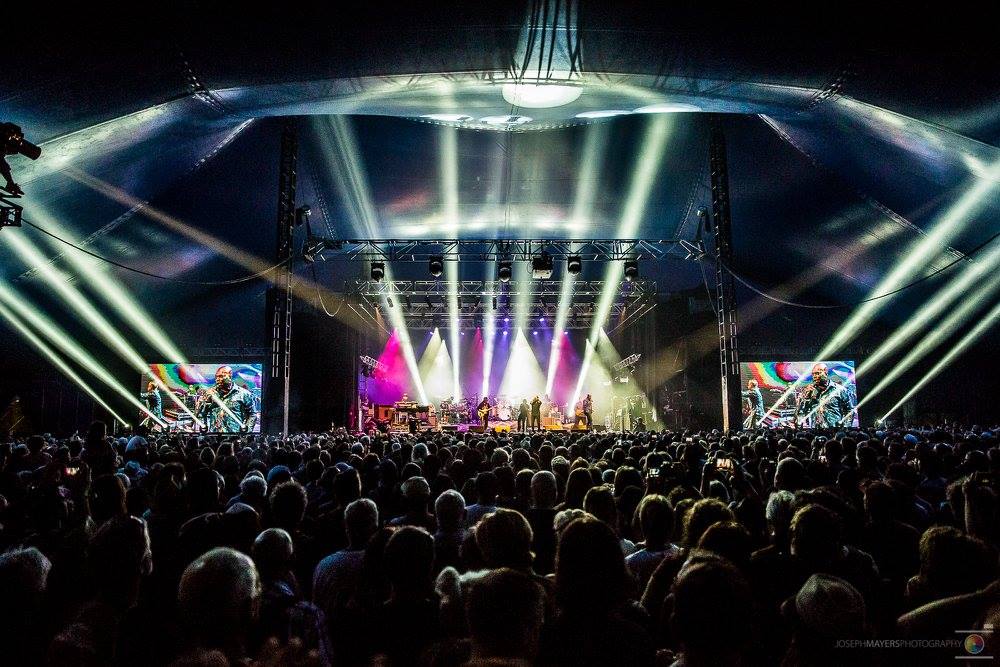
[608, 113]
[447, 117]
[505, 120]
[539, 95]
[668, 107]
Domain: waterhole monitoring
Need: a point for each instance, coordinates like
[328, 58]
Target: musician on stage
[226, 407]
[522, 415]
[827, 400]
[536, 413]
[151, 397]
[756, 402]
[588, 410]
[484, 412]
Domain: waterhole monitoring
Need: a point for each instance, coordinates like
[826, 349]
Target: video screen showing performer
[216, 398]
[799, 393]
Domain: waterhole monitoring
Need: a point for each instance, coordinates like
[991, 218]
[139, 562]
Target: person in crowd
[449, 512]
[594, 622]
[505, 611]
[218, 602]
[337, 575]
[656, 519]
[487, 487]
[416, 496]
[148, 548]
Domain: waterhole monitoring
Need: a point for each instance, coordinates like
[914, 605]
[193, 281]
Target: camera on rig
[12, 142]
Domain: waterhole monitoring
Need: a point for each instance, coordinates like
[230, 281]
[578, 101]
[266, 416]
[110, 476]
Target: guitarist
[484, 412]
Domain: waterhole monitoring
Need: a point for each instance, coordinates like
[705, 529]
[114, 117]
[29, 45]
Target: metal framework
[725, 297]
[488, 250]
[280, 297]
[425, 302]
[10, 213]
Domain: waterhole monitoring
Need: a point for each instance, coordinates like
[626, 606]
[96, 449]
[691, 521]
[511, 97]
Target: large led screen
[214, 398]
[801, 393]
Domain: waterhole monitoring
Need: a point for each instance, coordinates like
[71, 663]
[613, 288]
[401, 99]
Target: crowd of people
[797, 547]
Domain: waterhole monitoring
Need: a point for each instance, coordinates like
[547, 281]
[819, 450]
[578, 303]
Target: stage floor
[500, 426]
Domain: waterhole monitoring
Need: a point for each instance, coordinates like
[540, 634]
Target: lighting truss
[428, 308]
[488, 250]
[10, 213]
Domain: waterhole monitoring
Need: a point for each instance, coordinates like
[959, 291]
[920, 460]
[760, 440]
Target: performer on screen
[226, 407]
[588, 410]
[536, 414]
[756, 402]
[151, 397]
[522, 415]
[483, 410]
[826, 400]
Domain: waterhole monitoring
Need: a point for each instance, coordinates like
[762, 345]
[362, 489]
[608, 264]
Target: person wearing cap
[826, 609]
[416, 496]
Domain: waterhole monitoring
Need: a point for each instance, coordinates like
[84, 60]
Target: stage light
[436, 266]
[110, 289]
[505, 120]
[574, 264]
[644, 172]
[961, 346]
[97, 322]
[667, 107]
[504, 332]
[388, 300]
[50, 354]
[542, 320]
[951, 222]
[66, 344]
[504, 271]
[378, 271]
[602, 114]
[12, 142]
[311, 248]
[541, 266]
[539, 95]
[302, 214]
[494, 303]
[447, 117]
[506, 320]
[631, 269]
[971, 303]
[534, 333]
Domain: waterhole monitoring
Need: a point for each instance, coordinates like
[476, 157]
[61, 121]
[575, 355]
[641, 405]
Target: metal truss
[488, 250]
[425, 302]
[10, 213]
[232, 352]
[490, 288]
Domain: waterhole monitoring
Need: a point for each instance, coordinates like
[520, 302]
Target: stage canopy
[849, 137]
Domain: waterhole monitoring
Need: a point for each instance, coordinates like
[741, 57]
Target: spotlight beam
[949, 224]
[352, 184]
[589, 172]
[58, 337]
[51, 355]
[938, 335]
[108, 288]
[644, 173]
[72, 297]
[930, 310]
[966, 341]
[449, 195]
